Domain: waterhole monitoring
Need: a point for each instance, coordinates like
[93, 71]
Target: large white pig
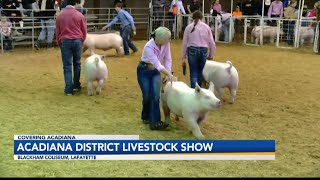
[95, 70]
[268, 32]
[104, 42]
[306, 33]
[191, 104]
[222, 75]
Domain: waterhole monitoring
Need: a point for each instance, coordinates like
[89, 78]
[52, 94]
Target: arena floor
[278, 98]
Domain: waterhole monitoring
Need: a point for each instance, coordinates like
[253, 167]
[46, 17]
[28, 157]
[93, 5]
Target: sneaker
[145, 121]
[49, 45]
[68, 94]
[76, 89]
[37, 45]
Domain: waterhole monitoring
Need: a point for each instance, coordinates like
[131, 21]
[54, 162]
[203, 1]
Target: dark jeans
[226, 29]
[290, 31]
[125, 34]
[150, 83]
[158, 18]
[7, 42]
[171, 22]
[71, 51]
[197, 57]
[184, 22]
[273, 22]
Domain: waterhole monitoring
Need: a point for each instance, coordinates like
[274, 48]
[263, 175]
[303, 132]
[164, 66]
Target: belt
[148, 65]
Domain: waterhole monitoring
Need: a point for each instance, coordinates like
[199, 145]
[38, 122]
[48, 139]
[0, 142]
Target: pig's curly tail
[230, 66]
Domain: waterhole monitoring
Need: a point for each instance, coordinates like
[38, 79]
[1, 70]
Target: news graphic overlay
[130, 147]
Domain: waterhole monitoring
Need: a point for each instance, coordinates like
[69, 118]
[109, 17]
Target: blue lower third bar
[136, 147]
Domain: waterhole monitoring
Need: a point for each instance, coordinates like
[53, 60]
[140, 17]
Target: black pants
[273, 22]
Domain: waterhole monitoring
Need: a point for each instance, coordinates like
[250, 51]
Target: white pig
[95, 70]
[222, 75]
[306, 33]
[268, 32]
[191, 104]
[104, 42]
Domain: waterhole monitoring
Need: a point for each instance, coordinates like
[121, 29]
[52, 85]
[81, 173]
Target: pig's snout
[219, 104]
[216, 104]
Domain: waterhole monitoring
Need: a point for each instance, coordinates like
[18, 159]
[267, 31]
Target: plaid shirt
[5, 28]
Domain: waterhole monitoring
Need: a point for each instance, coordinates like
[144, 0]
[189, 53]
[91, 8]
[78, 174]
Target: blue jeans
[197, 57]
[150, 84]
[125, 33]
[7, 42]
[171, 22]
[71, 51]
[47, 30]
[226, 29]
[290, 31]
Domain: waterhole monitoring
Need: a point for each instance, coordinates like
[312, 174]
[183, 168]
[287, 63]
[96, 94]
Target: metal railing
[240, 28]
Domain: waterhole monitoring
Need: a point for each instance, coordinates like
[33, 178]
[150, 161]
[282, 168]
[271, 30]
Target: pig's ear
[198, 88]
[211, 87]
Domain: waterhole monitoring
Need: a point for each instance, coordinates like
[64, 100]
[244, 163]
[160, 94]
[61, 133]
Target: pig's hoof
[159, 126]
[231, 102]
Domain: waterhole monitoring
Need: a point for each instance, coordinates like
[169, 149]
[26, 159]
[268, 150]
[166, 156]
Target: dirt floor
[278, 98]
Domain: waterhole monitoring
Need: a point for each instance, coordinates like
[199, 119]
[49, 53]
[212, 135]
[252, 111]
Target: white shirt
[180, 7]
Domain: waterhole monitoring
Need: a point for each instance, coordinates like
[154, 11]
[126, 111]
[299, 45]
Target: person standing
[275, 10]
[155, 59]
[175, 10]
[317, 9]
[158, 12]
[71, 32]
[5, 32]
[215, 6]
[290, 16]
[193, 6]
[126, 27]
[197, 39]
[47, 16]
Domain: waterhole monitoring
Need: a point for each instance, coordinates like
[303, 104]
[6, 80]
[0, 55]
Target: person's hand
[167, 78]
[134, 29]
[210, 58]
[184, 60]
[184, 68]
[172, 78]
